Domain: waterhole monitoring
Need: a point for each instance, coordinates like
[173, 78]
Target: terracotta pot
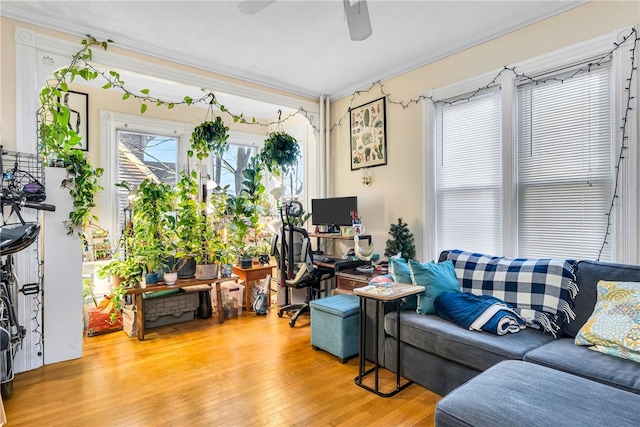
[115, 281]
[206, 271]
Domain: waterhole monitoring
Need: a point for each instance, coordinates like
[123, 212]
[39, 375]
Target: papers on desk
[377, 290]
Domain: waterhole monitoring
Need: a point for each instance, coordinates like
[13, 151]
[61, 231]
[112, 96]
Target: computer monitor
[333, 211]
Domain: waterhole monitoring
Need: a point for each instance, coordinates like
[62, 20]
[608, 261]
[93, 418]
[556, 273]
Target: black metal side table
[381, 295]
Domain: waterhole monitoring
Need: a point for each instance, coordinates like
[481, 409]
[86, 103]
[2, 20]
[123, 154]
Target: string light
[114, 81]
[586, 68]
[624, 139]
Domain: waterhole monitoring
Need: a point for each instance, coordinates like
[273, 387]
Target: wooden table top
[388, 293]
[180, 283]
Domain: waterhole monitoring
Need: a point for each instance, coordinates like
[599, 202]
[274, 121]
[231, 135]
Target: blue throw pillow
[436, 278]
[399, 270]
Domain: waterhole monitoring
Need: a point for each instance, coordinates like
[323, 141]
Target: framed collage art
[368, 135]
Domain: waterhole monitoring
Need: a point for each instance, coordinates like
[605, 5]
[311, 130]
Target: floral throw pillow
[614, 325]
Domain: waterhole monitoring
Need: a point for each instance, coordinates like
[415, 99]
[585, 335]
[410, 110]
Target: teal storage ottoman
[334, 325]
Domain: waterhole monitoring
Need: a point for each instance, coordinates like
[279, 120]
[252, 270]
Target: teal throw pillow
[399, 270]
[436, 278]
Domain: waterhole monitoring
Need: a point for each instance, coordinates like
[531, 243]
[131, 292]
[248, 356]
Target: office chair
[297, 269]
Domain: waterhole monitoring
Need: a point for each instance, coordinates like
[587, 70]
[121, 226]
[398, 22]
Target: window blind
[469, 175]
[564, 169]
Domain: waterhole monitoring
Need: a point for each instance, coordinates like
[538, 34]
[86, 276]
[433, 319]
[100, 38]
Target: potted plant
[280, 152]
[153, 226]
[189, 216]
[209, 137]
[172, 265]
[123, 272]
[401, 241]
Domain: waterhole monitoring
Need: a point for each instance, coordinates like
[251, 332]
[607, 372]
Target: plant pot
[170, 278]
[206, 271]
[188, 269]
[151, 278]
[246, 262]
[116, 281]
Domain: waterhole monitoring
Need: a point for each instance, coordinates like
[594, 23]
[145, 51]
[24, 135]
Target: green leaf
[107, 86]
[126, 95]
[144, 91]
[143, 108]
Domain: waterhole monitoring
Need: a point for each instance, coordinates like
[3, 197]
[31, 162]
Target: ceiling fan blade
[358, 19]
[251, 7]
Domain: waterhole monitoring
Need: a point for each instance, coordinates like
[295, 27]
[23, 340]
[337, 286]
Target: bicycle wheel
[6, 389]
[6, 347]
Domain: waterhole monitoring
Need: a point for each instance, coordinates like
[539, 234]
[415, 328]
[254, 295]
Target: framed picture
[78, 105]
[368, 135]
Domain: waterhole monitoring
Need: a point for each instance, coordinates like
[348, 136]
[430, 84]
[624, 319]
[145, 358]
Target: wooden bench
[138, 290]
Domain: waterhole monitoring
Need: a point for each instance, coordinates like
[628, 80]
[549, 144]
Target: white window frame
[110, 123]
[625, 223]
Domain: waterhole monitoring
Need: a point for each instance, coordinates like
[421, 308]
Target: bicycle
[22, 187]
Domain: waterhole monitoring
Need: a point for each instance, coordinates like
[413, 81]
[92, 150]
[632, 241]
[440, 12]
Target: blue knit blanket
[478, 313]
[540, 290]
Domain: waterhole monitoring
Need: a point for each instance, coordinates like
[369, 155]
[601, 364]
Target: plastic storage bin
[232, 299]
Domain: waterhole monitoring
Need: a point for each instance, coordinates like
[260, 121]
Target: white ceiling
[298, 46]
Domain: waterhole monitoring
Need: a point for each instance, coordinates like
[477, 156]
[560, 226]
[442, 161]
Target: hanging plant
[280, 152]
[209, 138]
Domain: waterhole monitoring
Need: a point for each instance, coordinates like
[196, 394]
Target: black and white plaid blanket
[541, 290]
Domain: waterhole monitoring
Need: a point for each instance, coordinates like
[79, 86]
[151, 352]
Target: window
[137, 147]
[144, 156]
[529, 169]
[565, 175]
[468, 175]
[227, 170]
[134, 148]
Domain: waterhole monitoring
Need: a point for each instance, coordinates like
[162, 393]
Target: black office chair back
[294, 250]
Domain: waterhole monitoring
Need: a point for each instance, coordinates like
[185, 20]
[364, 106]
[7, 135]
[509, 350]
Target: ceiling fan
[356, 11]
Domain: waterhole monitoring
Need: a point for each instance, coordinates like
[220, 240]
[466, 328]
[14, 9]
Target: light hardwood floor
[248, 371]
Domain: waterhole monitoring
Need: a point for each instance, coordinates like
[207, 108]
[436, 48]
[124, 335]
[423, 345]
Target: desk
[397, 291]
[255, 273]
[337, 236]
[348, 280]
[138, 290]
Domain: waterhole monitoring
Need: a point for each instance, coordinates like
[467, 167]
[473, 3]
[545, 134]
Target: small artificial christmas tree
[401, 241]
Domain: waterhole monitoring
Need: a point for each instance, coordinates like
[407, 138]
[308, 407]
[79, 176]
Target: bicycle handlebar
[8, 199]
[38, 206]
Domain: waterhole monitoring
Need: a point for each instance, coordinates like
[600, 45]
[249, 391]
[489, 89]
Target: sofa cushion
[588, 274]
[614, 326]
[436, 280]
[565, 356]
[523, 394]
[541, 289]
[399, 270]
[477, 350]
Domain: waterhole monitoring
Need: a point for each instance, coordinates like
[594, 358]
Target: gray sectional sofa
[442, 356]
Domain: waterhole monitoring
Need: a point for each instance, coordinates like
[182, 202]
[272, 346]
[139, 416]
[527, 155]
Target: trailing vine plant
[58, 140]
[209, 137]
